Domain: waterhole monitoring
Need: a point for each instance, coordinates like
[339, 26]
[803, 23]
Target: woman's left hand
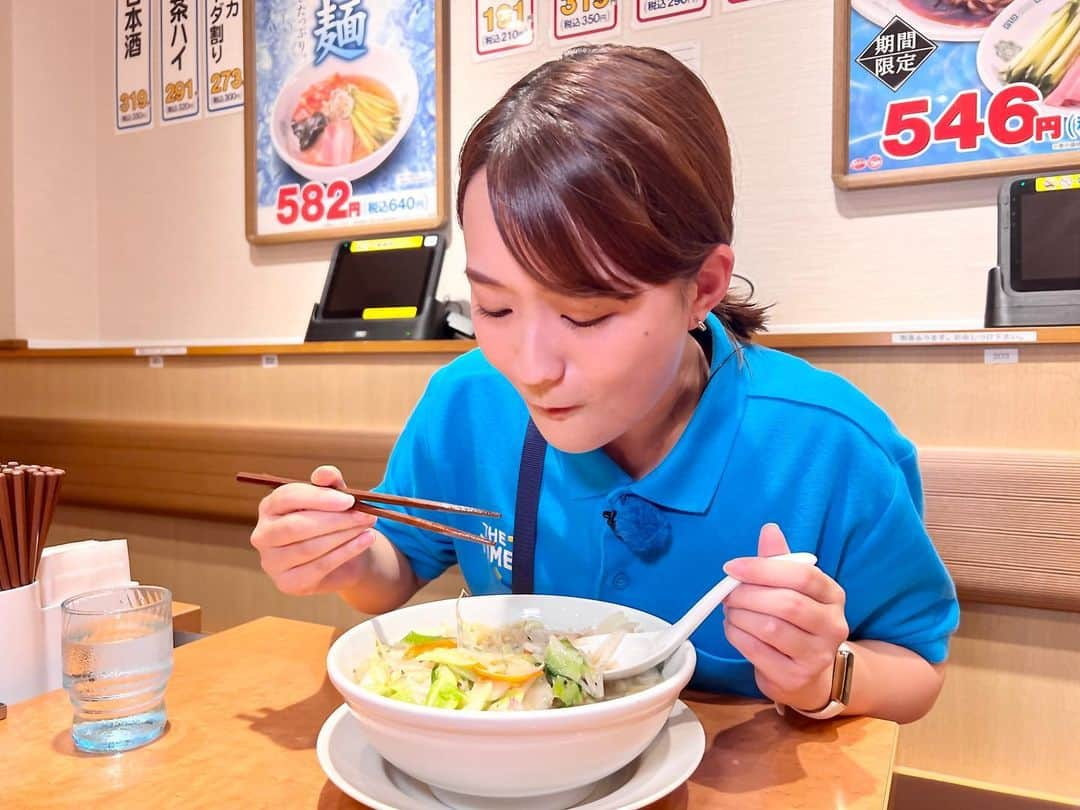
[787, 619]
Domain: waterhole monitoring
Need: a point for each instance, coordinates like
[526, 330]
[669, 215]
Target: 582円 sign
[350, 138]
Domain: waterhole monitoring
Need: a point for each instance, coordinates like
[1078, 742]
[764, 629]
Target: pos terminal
[382, 289]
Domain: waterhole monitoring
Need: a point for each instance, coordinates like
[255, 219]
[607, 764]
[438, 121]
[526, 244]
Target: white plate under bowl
[356, 768]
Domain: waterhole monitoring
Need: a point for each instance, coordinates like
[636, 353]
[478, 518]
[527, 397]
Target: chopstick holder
[32, 619]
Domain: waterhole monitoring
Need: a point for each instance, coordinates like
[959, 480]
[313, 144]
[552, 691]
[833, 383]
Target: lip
[557, 413]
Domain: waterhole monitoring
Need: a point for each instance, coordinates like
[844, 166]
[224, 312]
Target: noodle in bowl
[384, 74]
[537, 758]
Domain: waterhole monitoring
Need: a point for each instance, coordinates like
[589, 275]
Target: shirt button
[620, 581]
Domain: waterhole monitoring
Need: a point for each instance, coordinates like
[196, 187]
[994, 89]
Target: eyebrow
[476, 277]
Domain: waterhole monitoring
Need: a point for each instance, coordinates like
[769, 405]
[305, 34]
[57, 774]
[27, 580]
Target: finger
[793, 607]
[771, 541]
[342, 577]
[277, 560]
[772, 664]
[782, 636]
[296, 497]
[306, 579]
[296, 527]
[327, 476]
[796, 576]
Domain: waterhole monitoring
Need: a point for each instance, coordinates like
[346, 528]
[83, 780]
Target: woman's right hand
[308, 536]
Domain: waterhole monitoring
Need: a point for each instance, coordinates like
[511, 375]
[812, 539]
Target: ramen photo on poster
[346, 129]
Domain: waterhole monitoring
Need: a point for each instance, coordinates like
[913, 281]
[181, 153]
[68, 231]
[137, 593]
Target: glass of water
[117, 650]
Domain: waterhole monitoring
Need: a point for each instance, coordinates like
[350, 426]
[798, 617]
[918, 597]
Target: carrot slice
[503, 677]
[416, 649]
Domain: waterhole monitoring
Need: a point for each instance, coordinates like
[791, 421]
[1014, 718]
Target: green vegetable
[419, 638]
[566, 691]
[479, 696]
[1049, 55]
[444, 692]
[563, 658]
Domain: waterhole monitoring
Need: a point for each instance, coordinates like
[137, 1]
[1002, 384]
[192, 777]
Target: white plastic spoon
[638, 652]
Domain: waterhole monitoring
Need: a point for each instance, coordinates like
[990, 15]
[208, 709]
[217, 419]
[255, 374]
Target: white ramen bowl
[527, 760]
[392, 68]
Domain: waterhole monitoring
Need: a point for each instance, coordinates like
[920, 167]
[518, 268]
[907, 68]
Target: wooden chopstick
[22, 530]
[368, 495]
[37, 499]
[28, 495]
[8, 529]
[53, 479]
[421, 523]
[390, 514]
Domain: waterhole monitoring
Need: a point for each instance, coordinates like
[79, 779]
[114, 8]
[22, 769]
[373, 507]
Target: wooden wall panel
[1007, 523]
[186, 470]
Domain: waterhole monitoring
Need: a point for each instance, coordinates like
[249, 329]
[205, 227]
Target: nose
[540, 360]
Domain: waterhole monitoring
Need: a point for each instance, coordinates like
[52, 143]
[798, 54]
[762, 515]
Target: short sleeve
[898, 589]
[412, 471]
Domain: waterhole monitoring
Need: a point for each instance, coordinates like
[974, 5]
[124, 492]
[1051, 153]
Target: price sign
[180, 98]
[652, 12]
[132, 99]
[335, 204]
[578, 18]
[223, 33]
[504, 26]
[1010, 119]
[962, 92]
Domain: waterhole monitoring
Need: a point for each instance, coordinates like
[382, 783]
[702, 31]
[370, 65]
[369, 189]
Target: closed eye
[586, 324]
[487, 313]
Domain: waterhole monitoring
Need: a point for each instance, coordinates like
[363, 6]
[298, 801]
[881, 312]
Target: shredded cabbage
[479, 668]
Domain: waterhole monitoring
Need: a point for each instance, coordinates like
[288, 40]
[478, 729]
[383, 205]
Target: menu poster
[345, 124]
[931, 90]
[647, 13]
[504, 27]
[179, 60]
[572, 20]
[223, 77]
[133, 103]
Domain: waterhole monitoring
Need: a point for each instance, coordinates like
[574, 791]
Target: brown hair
[609, 169]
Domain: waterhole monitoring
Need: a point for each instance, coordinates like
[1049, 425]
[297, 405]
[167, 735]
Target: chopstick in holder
[37, 513]
[53, 479]
[390, 514]
[22, 530]
[7, 528]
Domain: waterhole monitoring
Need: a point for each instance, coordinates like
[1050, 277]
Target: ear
[712, 282]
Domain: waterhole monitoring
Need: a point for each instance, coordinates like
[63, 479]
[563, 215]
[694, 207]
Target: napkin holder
[31, 616]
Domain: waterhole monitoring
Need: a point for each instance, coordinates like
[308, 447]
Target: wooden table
[186, 617]
[245, 706]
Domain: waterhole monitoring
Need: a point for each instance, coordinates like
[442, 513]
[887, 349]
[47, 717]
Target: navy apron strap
[525, 510]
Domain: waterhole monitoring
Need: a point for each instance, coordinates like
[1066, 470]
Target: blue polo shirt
[773, 439]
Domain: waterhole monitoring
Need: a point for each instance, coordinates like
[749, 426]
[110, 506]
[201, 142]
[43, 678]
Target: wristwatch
[843, 670]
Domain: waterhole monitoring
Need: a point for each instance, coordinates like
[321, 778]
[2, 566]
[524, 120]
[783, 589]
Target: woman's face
[588, 368]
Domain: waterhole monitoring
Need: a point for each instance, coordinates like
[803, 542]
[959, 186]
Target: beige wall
[54, 183]
[159, 215]
[7, 251]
